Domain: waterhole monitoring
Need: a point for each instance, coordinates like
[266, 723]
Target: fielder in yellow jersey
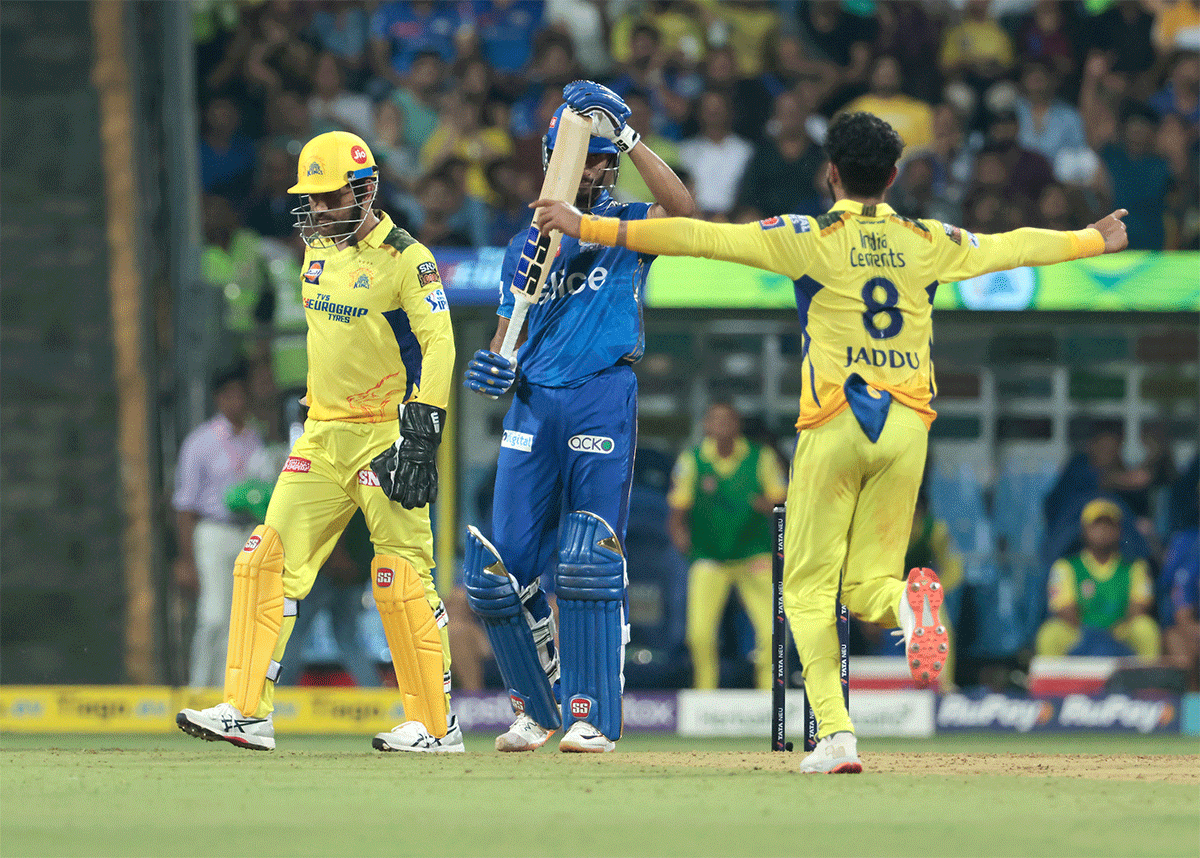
[865, 280]
[722, 493]
[379, 344]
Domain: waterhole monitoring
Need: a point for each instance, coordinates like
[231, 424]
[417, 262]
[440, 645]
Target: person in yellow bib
[865, 279]
[379, 344]
[722, 493]
[1099, 597]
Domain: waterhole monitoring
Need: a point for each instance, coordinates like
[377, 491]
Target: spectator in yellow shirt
[912, 119]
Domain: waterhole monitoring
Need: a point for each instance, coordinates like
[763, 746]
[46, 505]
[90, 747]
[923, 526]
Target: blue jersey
[589, 318]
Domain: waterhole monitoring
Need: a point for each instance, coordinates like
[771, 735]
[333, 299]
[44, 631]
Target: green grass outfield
[169, 795]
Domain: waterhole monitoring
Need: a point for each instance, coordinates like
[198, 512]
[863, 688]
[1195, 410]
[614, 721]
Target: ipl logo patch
[383, 577]
[252, 542]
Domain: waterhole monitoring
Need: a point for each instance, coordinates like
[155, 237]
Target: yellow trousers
[1140, 634]
[849, 514]
[709, 583]
[329, 474]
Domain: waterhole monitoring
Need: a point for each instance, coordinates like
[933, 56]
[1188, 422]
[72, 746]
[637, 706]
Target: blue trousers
[564, 449]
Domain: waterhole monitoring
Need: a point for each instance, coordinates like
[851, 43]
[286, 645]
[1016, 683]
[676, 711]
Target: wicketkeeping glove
[608, 110]
[490, 374]
[407, 470]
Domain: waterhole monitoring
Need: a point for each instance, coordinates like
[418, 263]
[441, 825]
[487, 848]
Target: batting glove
[407, 470]
[609, 112]
[490, 374]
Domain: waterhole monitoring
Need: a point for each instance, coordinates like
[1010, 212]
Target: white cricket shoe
[525, 734]
[926, 642]
[413, 736]
[836, 754]
[225, 722]
[583, 738]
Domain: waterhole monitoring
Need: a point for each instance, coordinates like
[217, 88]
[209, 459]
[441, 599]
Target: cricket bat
[563, 174]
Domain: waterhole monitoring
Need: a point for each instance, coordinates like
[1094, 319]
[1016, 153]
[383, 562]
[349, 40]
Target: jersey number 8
[887, 307]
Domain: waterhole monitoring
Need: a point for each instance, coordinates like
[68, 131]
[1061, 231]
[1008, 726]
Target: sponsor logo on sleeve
[953, 233]
[297, 465]
[384, 576]
[799, 223]
[313, 274]
[427, 272]
[437, 301]
[252, 543]
[772, 223]
[366, 477]
[591, 444]
[521, 441]
[971, 239]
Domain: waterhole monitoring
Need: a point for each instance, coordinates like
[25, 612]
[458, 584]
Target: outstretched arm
[981, 254]
[782, 251]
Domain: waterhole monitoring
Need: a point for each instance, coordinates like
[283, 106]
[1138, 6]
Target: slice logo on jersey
[384, 577]
[427, 273]
[366, 477]
[313, 274]
[573, 283]
[591, 444]
[359, 154]
[252, 543]
[581, 707]
[296, 465]
[437, 301]
[521, 441]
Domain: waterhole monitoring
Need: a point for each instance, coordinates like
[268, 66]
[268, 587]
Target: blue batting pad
[590, 585]
[493, 596]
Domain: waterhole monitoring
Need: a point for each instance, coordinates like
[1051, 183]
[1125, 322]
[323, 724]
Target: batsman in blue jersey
[566, 457]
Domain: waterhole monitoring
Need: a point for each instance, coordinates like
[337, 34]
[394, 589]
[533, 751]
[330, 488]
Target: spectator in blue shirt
[1181, 635]
[402, 29]
[1140, 178]
[1047, 124]
[226, 154]
[506, 31]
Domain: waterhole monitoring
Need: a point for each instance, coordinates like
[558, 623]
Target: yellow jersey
[378, 327]
[864, 280]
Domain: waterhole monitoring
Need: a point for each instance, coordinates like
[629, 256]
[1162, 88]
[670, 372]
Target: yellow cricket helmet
[330, 160]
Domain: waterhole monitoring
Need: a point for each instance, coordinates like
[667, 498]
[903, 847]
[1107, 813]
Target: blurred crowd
[1015, 112]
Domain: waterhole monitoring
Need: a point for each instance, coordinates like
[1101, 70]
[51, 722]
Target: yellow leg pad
[413, 638]
[255, 618]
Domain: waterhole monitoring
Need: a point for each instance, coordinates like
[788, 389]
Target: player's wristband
[626, 139]
[1086, 242]
[599, 230]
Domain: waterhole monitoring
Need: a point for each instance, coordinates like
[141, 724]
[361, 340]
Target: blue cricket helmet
[595, 144]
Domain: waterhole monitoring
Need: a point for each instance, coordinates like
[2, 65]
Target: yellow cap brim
[317, 186]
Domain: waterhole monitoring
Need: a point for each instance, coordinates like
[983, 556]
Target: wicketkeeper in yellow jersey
[379, 343]
[865, 280]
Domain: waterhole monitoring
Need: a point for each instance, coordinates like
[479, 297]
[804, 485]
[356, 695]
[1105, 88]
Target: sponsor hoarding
[1074, 713]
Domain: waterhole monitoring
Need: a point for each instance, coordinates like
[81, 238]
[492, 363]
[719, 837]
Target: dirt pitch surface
[1178, 769]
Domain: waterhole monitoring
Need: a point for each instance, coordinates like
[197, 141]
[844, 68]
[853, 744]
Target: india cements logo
[591, 444]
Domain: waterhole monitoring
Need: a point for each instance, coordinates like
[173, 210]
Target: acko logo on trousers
[591, 444]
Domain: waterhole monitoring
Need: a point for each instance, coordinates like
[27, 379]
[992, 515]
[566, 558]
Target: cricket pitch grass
[976, 795]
